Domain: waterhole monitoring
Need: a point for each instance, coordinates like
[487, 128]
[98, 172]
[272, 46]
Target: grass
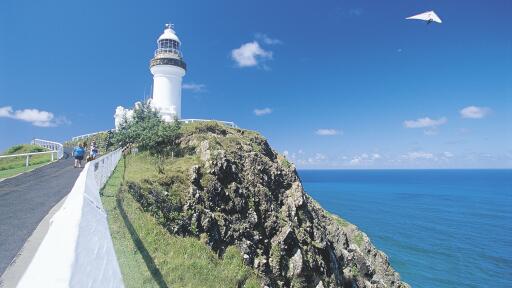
[169, 173]
[342, 222]
[354, 270]
[232, 138]
[144, 167]
[358, 239]
[149, 256]
[282, 159]
[15, 165]
[15, 171]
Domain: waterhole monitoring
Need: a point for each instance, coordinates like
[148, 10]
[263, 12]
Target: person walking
[79, 153]
[94, 150]
[84, 145]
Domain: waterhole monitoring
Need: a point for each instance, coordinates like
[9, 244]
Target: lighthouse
[168, 68]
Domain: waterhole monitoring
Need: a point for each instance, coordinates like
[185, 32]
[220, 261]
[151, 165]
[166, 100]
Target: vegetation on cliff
[150, 256]
[228, 188]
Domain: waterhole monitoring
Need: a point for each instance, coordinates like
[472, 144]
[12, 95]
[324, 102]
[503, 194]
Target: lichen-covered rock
[247, 195]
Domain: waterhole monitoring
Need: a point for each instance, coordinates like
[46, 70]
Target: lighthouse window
[168, 44]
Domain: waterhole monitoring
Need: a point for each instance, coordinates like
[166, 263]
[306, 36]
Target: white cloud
[307, 159]
[418, 155]
[261, 112]
[249, 54]
[474, 112]
[358, 159]
[425, 122]
[364, 158]
[267, 40]
[194, 87]
[5, 111]
[327, 132]
[320, 156]
[34, 116]
[316, 159]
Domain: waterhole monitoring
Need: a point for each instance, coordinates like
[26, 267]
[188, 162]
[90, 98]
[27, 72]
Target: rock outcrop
[243, 193]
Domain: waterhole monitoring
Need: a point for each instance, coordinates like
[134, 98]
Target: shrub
[149, 132]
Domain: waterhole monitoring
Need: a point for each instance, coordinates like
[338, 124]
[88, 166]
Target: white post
[26, 161]
[52, 156]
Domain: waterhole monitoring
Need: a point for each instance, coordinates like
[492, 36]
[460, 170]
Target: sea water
[439, 228]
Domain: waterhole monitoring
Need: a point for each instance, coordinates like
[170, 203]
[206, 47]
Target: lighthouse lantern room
[168, 68]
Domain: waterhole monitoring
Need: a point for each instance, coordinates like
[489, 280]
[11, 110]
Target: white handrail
[26, 154]
[87, 135]
[54, 146]
[27, 160]
[228, 123]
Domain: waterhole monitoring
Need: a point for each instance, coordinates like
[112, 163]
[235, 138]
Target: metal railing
[54, 146]
[168, 61]
[56, 151]
[228, 123]
[87, 135]
[162, 52]
[27, 155]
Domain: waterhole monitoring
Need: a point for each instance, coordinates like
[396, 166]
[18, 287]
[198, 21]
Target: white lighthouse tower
[168, 68]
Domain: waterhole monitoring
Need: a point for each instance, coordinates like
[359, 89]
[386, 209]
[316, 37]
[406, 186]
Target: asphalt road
[26, 199]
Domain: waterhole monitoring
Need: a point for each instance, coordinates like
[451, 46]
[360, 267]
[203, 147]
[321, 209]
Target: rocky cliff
[236, 190]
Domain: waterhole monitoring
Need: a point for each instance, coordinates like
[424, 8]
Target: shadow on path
[153, 269]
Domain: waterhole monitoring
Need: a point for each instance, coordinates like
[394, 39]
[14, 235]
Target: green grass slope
[14, 165]
[149, 256]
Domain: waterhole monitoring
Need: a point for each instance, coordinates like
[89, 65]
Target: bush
[149, 132]
[24, 148]
[103, 141]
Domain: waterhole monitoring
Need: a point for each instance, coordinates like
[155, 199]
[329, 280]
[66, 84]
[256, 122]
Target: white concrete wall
[77, 251]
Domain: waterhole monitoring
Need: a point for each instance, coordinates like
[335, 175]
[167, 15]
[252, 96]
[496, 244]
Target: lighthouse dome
[169, 34]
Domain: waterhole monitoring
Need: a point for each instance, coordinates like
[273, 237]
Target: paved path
[26, 199]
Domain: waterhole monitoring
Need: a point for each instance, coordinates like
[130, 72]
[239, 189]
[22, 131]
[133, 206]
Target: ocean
[439, 228]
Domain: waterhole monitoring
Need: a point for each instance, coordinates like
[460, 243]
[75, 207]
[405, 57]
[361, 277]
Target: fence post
[52, 156]
[26, 161]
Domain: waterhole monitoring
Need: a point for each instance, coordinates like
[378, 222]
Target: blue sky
[332, 84]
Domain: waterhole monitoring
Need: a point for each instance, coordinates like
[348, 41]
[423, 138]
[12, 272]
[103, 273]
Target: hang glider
[429, 16]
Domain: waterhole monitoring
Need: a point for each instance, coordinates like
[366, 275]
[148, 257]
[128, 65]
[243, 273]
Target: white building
[168, 68]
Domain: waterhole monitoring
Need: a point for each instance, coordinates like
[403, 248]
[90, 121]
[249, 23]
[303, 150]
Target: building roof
[169, 33]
